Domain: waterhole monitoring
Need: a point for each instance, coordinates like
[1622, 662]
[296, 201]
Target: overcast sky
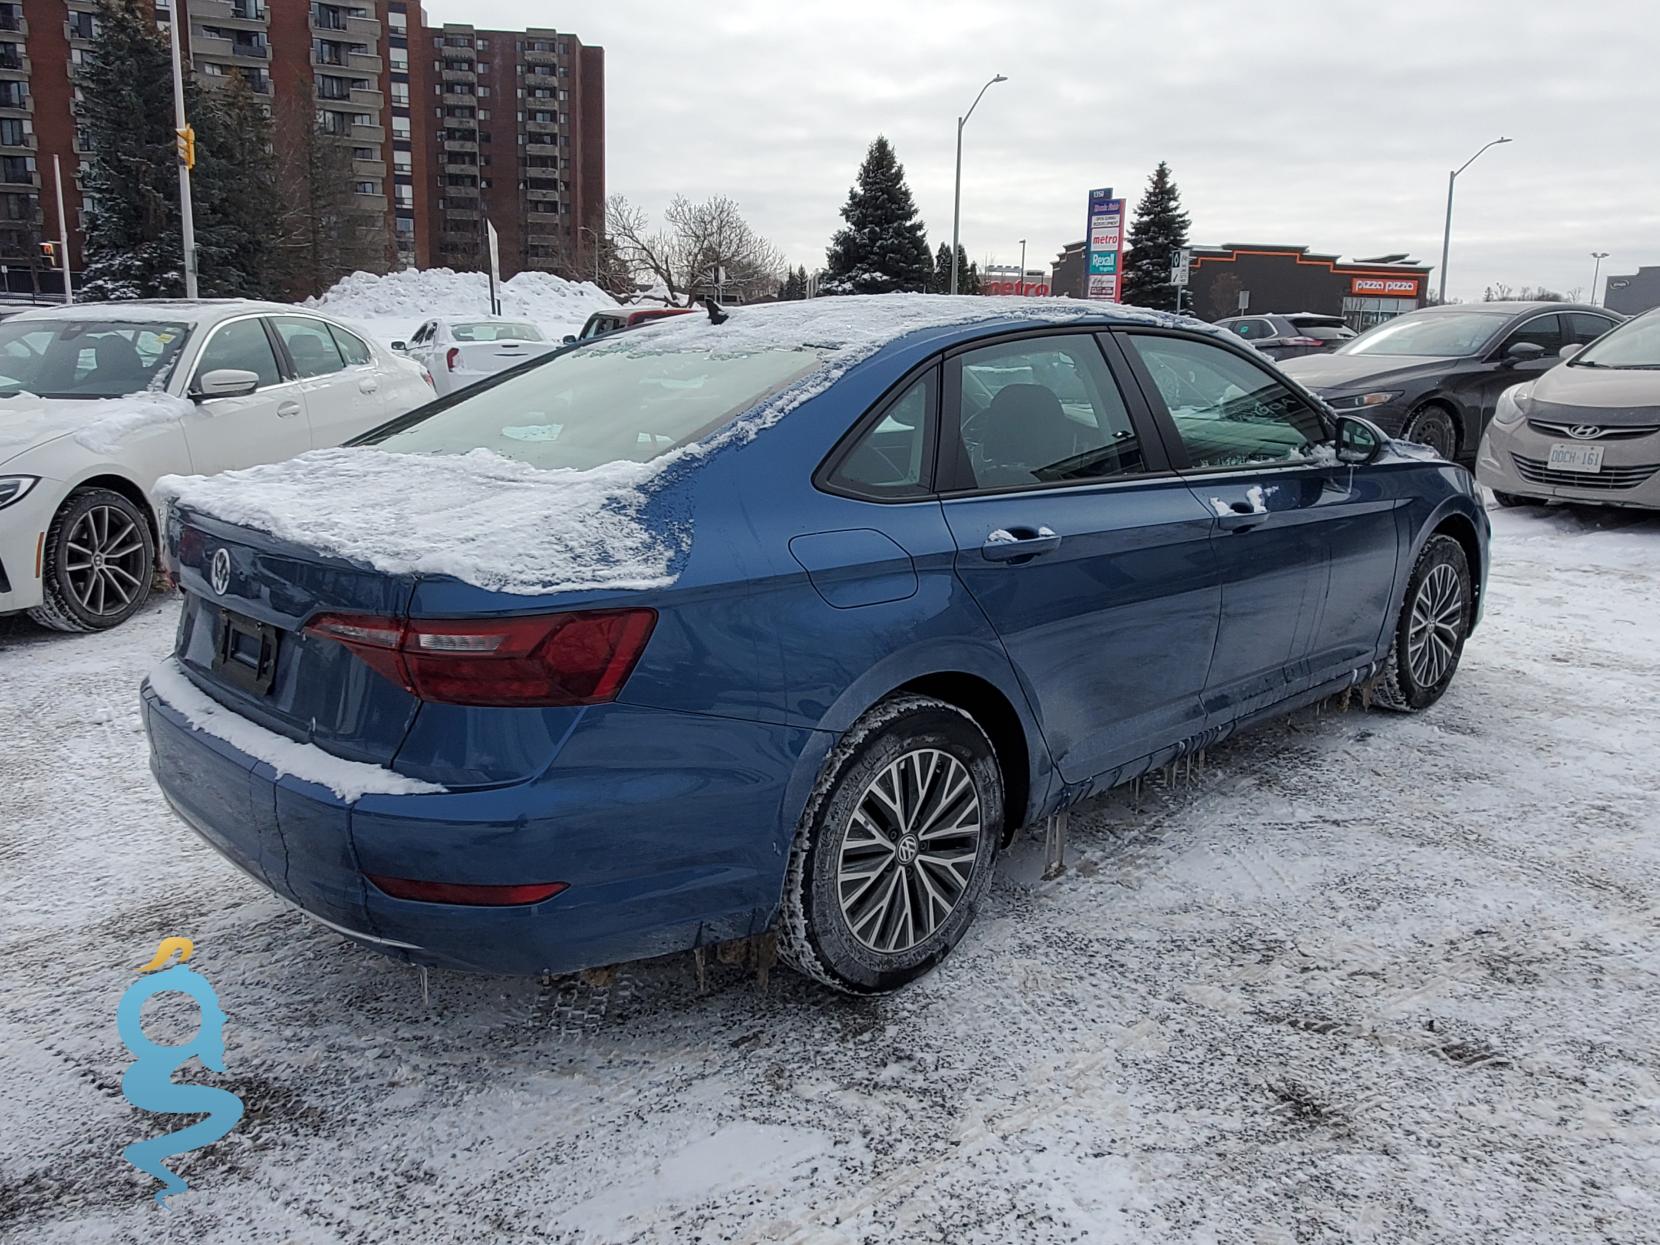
[1328, 123]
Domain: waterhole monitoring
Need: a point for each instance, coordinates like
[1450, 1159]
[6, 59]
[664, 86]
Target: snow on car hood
[98, 424]
[503, 525]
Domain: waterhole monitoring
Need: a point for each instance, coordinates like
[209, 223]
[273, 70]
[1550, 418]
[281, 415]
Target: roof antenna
[716, 315]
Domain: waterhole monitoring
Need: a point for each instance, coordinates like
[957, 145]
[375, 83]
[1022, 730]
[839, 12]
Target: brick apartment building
[447, 124]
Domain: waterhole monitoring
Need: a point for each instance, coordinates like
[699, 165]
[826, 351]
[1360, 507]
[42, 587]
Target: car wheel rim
[1433, 434]
[910, 850]
[104, 561]
[1437, 616]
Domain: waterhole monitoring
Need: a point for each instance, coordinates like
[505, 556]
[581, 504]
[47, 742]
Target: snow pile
[98, 424]
[391, 307]
[350, 780]
[500, 524]
[479, 517]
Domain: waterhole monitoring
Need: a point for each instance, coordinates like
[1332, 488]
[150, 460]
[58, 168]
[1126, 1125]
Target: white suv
[99, 400]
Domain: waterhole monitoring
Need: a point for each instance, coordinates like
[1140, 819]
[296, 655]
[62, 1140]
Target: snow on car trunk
[500, 523]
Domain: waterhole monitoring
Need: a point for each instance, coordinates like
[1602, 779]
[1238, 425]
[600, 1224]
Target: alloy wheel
[104, 561]
[909, 850]
[1437, 616]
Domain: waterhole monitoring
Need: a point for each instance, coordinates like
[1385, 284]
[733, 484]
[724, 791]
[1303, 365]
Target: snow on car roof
[469, 516]
[151, 311]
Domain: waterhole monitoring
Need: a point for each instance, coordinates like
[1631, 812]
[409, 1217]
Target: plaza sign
[1105, 249]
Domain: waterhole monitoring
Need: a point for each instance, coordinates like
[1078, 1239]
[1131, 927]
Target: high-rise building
[446, 125]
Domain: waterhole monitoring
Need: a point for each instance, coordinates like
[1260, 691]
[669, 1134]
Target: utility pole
[1446, 235]
[187, 159]
[63, 234]
[1022, 286]
[1596, 272]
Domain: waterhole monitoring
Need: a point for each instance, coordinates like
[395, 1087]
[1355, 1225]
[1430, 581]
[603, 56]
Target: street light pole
[582, 229]
[1446, 235]
[1596, 272]
[957, 196]
[1021, 287]
[187, 220]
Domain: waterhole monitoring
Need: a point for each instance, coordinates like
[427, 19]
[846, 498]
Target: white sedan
[99, 400]
[459, 353]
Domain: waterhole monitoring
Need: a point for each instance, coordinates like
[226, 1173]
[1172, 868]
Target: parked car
[458, 352]
[603, 322]
[1287, 336]
[98, 400]
[1587, 431]
[729, 647]
[1434, 375]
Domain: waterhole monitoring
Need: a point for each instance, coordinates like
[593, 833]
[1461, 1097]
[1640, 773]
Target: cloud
[1327, 124]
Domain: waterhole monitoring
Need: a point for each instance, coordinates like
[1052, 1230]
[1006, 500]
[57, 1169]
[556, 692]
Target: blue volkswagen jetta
[778, 620]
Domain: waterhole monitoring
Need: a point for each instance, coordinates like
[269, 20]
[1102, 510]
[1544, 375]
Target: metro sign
[1386, 287]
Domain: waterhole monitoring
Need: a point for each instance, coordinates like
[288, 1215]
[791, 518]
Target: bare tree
[702, 248]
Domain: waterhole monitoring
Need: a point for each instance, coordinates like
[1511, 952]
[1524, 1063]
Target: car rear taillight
[578, 658]
[427, 376]
[1304, 341]
[464, 893]
[450, 356]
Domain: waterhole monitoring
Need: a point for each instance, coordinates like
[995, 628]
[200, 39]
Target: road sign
[1244, 299]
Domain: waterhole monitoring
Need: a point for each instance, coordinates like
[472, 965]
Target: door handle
[368, 386]
[1004, 545]
[288, 410]
[1238, 516]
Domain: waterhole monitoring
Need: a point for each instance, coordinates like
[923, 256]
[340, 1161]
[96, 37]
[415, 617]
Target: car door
[342, 397]
[267, 425]
[1090, 557]
[1305, 550]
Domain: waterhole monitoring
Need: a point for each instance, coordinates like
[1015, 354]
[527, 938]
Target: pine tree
[133, 248]
[968, 274]
[239, 196]
[1160, 228]
[804, 281]
[882, 248]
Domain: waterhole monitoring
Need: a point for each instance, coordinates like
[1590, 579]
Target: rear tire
[1429, 635]
[1433, 426]
[895, 848]
[99, 563]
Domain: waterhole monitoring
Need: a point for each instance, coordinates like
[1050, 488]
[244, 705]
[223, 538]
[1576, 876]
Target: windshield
[1635, 344]
[494, 331]
[86, 358]
[601, 404]
[1443, 334]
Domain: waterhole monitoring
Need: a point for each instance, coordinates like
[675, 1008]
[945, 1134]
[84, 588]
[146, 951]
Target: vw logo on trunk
[1585, 432]
[220, 573]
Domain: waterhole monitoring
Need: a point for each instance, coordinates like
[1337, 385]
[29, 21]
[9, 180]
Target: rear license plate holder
[245, 652]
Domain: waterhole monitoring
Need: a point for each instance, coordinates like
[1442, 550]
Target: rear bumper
[671, 830]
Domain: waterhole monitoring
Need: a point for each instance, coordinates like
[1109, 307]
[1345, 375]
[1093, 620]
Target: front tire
[98, 565]
[1433, 426]
[1430, 633]
[895, 848]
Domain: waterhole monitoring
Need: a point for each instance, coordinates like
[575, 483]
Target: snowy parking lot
[1364, 977]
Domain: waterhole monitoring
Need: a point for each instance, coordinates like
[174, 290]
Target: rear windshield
[601, 404]
[494, 331]
[1634, 344]
[601, 324]
[1441, 334]
[86, 358]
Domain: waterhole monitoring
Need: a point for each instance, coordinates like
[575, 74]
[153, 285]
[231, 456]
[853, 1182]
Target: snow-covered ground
[390, 308]
[1365, 978]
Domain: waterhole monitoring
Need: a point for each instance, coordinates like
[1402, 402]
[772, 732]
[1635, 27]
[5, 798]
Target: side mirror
[1358, 441]
[400, 346]
[1522, 352]
[568, 339]
[225, 382]
[1570, 350]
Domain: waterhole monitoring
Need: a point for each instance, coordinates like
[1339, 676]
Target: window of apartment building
[400, 127]
[11, 55]
[483, 90]
[14, 94]
[366, 187]
[10, 16]
[83, 25]
[258, 81]
[77, 56]
[397, 20]
[365, 153]
[483, 114]
[403, 162]
[400, 94]
[19, 207]
[399, 58]
[405, 196]
[331, 52]
[14, 132]
[211, 69]
[16, 169]
[330, 87]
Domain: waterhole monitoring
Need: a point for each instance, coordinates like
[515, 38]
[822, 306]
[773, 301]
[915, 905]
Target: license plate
[246, 652]
[1565, 456]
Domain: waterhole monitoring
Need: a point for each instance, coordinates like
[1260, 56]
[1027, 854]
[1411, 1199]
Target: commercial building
[446, 124]
[1633, 293]
[1224, 280]
[1008, 279]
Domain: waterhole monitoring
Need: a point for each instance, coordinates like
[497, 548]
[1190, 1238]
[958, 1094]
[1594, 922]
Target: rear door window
[310, 345]
[1584, 328]
[353, 349]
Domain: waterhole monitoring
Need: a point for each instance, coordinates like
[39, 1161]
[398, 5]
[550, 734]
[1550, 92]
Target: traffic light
[49, 252]
[187, 147]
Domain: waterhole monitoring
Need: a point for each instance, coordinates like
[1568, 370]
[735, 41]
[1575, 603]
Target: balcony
[11, 20]
[459, 72]
[461, 52]
[541, 127]
[453, 213]
[213, 11]
[11, 56]
[549, 57]
[535, 217]
[460, 144]
[460, 192]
